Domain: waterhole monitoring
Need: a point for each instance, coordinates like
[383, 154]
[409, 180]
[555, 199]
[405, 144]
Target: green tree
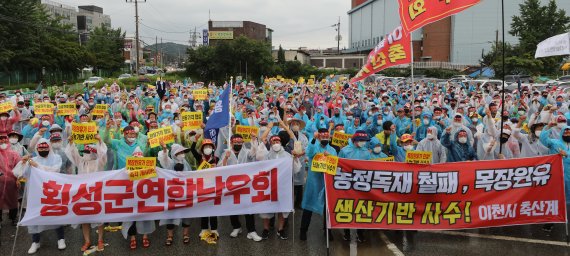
[221, 60]
[280, 55]
[105, 47]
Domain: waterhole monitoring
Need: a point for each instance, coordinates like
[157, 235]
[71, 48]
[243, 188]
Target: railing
[436, 64]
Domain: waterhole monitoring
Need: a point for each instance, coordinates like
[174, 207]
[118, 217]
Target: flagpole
[503, 77]
[230, 111]
[412, 84]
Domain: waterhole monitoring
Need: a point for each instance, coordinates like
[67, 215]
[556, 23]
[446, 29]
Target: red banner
[385, 195]
[393, 50]
[415, 14]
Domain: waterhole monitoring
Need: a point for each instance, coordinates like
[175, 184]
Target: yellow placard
[151, 87]
[163, 134]
[43, 108]
[200, 94]
[142, 174]
[340, 139]
[246, 131]
[84, 133]
[6, 107]
[139, 163]
[312, 77]
[66, 109]
[191, 120]
[311, 81]
[326, 164]
[418, 157]
[205, 165]
[100, 109]
[173, 91]
[385, 159]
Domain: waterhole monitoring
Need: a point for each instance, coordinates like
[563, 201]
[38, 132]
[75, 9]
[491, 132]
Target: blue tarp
[486, 72]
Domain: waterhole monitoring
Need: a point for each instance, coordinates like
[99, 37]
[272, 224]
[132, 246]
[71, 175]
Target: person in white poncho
[93, 159]
[175, 159]
[45, 160]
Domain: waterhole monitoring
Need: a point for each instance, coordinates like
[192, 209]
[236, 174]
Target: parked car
[124, 76]
[92, 80]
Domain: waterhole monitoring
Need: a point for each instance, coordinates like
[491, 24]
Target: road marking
[391, 246]
[495, 237]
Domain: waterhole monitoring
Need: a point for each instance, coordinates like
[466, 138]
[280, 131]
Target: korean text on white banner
[554, 46]
[252, 188]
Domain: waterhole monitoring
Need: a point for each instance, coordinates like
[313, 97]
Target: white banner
[252, 188]
[554, 46]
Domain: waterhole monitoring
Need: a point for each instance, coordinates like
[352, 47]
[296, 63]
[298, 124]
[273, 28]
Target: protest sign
[43, 108]
[6, 107]
[141, 167]
[200, 94]
[191, 120]
[326, 164]
[246, 131]
[100, 109]
[84, 133]
[162, 134]
[385, 159]
[418, 157]
[205, 165]
[66, 109]
[110, 196]
[340, 139]
[400, 196]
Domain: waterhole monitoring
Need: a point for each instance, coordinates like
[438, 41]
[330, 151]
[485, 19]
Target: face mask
[295, 128]
[171, 100]
[426, 121]
[167, 110]
[408, 147]
[3, 146]
[271, 116]
[131, 140]
[560, 125]
[180, 157]
[566, 139]
[116, 100]
[43, 153]
[237, 148]
[349, 118]
[430, 136]
[521, 113]
[56, 145]
[379, 122]
[276, 147]
[45, 123]
[208, 151]
[504, 140]
[361, 144]
[377, 150]
[324, 143]
[537, 133]
[462, 140]
[136, 129]
[386, 112]
[456, 124]
[13, 140]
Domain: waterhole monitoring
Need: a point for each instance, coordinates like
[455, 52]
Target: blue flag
[221, 115]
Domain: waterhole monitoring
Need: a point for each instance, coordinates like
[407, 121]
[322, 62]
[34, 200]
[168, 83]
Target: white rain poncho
[439, 152]
[51, 163]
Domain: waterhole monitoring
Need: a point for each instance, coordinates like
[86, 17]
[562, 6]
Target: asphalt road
[516, 240]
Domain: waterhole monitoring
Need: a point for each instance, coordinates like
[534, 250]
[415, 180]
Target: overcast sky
[296, 23]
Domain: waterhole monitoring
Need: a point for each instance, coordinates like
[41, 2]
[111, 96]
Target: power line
[167, 32]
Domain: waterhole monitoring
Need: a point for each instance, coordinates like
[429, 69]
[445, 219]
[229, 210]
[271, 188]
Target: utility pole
[338, 38]
[137, 44]
[155, 50]
[161, 55]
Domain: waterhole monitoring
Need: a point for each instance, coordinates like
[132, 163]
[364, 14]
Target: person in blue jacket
[459, 149]
[376, 149]
[357, 150]
[314, 194]
[558, 146]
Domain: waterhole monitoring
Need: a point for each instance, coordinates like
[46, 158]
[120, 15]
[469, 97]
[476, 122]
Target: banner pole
[20, 218]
